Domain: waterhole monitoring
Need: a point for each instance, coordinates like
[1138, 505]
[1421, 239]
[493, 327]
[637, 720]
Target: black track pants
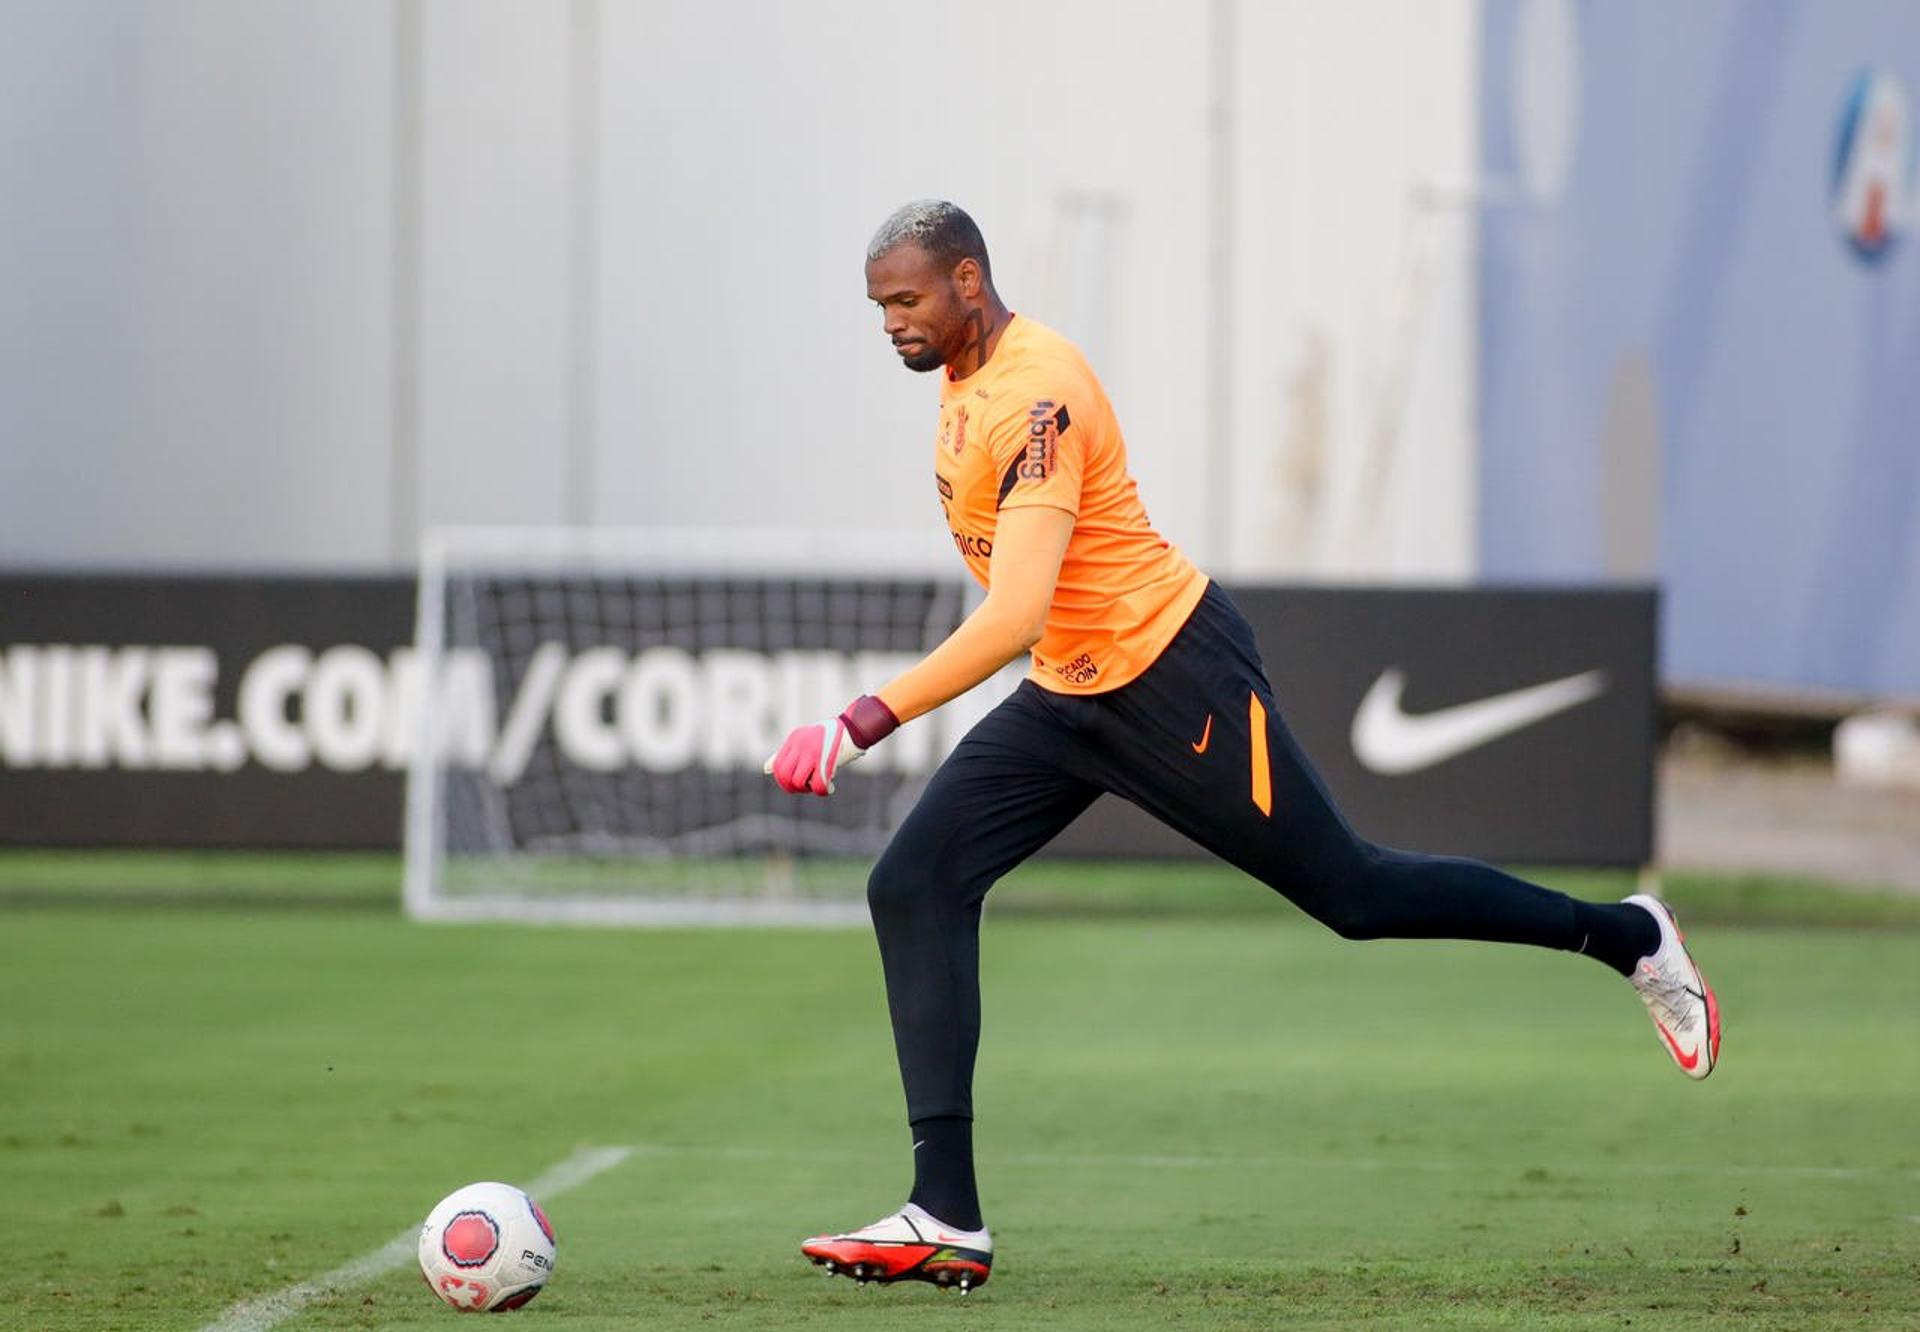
[1197, 742]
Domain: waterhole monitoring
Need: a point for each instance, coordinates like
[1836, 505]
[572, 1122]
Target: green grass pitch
[1220, 1119]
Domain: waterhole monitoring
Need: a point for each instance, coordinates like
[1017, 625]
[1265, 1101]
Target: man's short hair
[942, 229]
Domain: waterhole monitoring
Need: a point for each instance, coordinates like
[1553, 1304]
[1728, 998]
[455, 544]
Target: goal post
[597, 704]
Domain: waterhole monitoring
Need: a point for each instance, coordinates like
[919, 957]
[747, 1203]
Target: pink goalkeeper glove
[813, 753]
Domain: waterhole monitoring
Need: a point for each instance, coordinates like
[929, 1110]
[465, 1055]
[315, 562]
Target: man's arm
[1028, 546]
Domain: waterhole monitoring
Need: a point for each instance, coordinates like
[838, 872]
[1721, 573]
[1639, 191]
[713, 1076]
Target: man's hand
[813, 753]
[811, 756]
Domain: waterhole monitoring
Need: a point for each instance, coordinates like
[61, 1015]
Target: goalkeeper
[1145, 682]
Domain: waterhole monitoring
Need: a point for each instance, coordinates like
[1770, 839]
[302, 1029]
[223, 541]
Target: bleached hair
[942, 229]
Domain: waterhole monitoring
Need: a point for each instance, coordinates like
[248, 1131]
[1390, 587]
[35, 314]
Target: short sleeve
[1038, 452]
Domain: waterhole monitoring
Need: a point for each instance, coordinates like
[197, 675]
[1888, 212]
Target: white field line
[265, 1312]
[269, 1310]
[1357, 1163]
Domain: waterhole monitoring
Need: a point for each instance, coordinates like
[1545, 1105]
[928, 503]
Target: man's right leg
[1000, 796]
[1003, 793]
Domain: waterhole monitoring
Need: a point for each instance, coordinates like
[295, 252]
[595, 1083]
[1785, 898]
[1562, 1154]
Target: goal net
[599, 705]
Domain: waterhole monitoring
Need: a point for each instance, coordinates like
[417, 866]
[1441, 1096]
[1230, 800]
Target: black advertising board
[1512, 724]
[201, 711]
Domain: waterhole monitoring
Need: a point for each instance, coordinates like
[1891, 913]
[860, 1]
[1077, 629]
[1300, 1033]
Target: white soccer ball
[486, 1247]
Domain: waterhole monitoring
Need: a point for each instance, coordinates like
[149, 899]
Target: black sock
[1617, 933]
[943, 1170]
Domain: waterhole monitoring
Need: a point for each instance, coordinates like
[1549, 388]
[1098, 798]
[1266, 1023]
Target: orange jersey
[1033, 426]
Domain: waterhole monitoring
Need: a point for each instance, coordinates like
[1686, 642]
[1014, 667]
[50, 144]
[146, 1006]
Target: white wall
[494, 234]
[743, 376]
[285, 282]
[1354, 368]
[194, 272]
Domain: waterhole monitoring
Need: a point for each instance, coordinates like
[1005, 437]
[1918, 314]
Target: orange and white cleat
[909, 1245]
[1677, 996]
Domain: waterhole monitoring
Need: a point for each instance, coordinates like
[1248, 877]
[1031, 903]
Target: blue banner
[1700, 324]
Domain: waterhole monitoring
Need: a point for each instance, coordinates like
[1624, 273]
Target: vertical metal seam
[1220, 485]
[403, 461]
[583, 264]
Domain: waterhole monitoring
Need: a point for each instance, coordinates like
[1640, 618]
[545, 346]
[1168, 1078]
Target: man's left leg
[1251, 796]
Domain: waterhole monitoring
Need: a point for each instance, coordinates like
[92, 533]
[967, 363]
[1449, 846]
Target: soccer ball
[486, 1247]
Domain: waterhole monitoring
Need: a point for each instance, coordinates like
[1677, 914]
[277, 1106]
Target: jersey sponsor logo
[1872, 192]
[968, 544]
[1389, 741]
[1045, 425]
[946, 486]
[1081, 670]
[1046, 422]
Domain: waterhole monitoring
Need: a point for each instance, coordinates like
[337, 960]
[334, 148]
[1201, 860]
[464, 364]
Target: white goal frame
[689, 552]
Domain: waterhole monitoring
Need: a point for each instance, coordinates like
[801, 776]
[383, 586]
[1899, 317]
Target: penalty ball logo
[472, 1237]
[1873, 165]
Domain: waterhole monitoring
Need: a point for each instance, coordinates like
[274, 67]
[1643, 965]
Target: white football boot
[909, 1245]
[1677, 996]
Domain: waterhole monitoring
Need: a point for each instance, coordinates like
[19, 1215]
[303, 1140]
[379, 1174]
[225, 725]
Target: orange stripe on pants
[1262, 776]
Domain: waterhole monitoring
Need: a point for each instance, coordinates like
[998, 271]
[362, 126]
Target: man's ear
[967, 276]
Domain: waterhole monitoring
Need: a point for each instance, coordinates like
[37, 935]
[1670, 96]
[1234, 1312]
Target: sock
[943, 1170]
[1617, 933]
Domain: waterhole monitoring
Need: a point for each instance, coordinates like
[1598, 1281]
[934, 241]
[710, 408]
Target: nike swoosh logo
[1686, 1061]
[1206, 736]
[1388, 741]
